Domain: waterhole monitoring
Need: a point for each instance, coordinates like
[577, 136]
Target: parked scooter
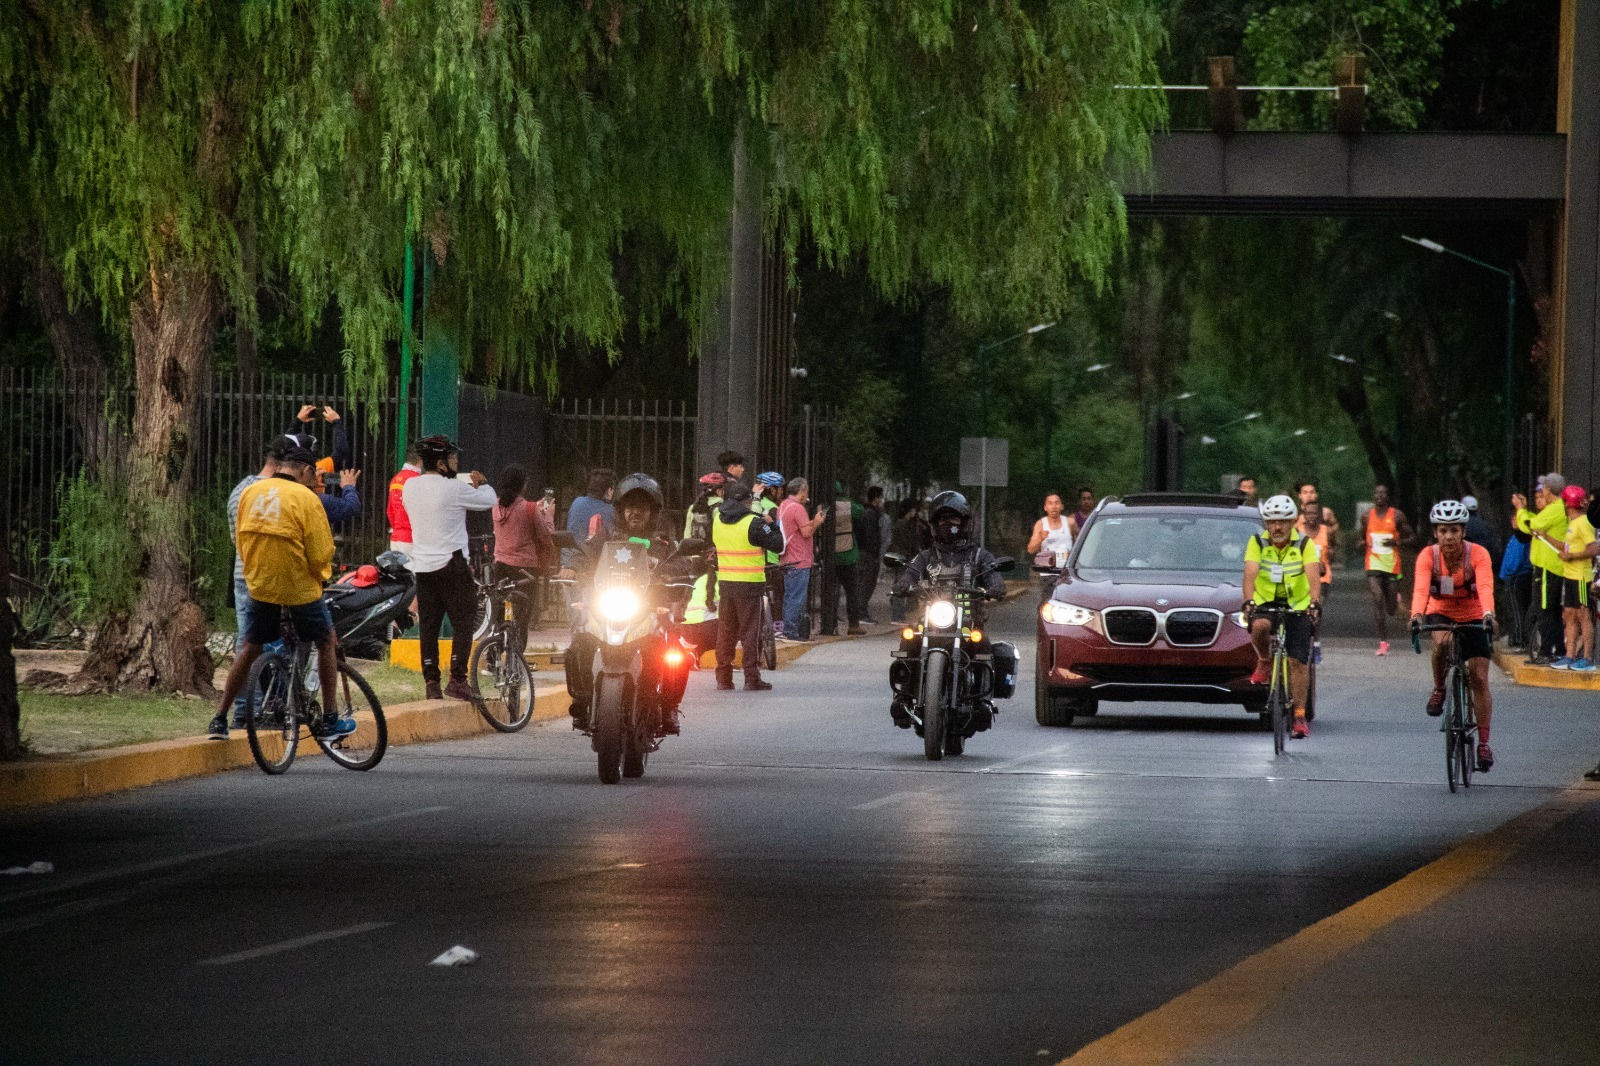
[947, 673]
[370, 604]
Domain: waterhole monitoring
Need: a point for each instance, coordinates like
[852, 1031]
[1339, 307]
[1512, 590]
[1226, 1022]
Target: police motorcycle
[637, 667]
[947, 673]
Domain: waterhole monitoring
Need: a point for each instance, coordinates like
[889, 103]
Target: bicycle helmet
[434, 449]
[1278, 507]
[714, 479]
[771, 479]
[1450, 513]
[1574, 496]
[640, 483]
[392, 562]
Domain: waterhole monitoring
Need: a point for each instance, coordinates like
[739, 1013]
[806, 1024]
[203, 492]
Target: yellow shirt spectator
[1580, 534]
[285, 542]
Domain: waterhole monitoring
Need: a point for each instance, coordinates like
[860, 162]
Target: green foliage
[97, 548]
[1299, 43]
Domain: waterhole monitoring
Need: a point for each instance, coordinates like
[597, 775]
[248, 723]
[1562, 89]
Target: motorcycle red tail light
[674, 657]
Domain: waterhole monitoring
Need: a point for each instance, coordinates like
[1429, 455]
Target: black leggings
[451, 592]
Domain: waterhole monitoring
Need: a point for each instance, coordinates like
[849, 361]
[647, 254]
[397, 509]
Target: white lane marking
[154, 865]
[293, 945]
[884, 801]
[998, 767]
[66, 910]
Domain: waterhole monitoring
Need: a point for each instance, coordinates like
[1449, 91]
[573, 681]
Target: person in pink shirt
[524, 545]
[799, 525]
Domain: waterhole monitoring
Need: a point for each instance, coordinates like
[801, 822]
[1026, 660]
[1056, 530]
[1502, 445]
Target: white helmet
[1279, 506]
[1449, 513]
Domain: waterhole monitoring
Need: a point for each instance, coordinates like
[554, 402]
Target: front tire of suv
[1056, 711]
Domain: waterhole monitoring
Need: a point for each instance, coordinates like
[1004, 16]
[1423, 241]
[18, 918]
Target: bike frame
[1460, 717]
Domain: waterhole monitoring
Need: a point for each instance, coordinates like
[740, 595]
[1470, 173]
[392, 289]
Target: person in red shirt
[399, 521]
[1455, 583]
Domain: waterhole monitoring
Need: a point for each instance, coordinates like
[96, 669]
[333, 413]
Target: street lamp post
[1511, 325]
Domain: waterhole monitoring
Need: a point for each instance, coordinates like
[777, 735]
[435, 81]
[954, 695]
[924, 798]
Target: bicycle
[497, 658]
[1459, 722]
[283, 689]
[769, 620]
[1279, 695]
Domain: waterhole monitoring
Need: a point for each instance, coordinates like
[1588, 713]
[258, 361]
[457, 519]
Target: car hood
[1104, 588]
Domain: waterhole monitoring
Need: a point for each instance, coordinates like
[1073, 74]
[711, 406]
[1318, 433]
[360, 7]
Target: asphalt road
[791, 883]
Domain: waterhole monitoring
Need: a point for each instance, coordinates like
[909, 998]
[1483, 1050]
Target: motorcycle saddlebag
[1005, 669]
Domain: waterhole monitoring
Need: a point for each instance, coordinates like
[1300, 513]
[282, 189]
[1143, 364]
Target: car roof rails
[1180, 499]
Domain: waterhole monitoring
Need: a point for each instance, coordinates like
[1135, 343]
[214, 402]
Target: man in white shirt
[437, 502]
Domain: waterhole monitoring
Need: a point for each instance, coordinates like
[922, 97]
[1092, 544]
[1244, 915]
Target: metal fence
[655, 436]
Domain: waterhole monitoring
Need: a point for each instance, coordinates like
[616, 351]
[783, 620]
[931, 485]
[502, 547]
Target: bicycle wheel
[354, 699]
[933, 709]
[1277, 705]
[769, 636]
[271, 721]
[1454, 739]
[502, 687]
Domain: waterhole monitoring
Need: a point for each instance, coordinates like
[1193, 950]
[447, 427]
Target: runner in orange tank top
[1384, 532]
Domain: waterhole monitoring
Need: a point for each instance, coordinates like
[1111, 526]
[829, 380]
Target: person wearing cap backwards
[742, 539]
[1577, 554]
[437, 502]
[1455, 583]
[1282, 568]
[286, 546]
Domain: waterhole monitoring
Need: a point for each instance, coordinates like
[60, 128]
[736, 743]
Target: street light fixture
[1184, 396]
[1511, 327]
[1342, 359]
[1095, 368]
[1301, 432]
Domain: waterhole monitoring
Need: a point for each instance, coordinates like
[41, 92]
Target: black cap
[298, 455]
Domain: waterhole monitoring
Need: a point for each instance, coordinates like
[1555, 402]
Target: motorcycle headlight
[619, 606]
[1065, 614]
[941, 614]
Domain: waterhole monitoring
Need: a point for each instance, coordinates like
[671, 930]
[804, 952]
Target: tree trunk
[75, 335]
[10, 708]
[161, 646]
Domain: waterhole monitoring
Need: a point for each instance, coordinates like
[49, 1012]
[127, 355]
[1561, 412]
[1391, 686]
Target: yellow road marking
[1229, 1001]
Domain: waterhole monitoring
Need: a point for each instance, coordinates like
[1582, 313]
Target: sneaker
[1383, 647]
[1262, 673]
[1563, 663]
[1301, 728]
[1485, 759]
[218, 729]
[1583, 666]
[792, 640]
[856, 631]
[1538, 660]
[725, 686]
[333, 725]
[1436, 703]
[758, 685]
[869, 621]
[458, 689]
[431, 691]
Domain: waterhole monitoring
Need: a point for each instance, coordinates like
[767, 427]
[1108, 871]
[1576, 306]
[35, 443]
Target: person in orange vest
[1384, 532]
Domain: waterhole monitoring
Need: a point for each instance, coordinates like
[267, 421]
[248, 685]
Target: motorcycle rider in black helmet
[639, 505]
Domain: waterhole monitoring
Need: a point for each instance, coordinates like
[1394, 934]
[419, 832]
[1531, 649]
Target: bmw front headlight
[941, 614]
[619, 606]
[1065, 614]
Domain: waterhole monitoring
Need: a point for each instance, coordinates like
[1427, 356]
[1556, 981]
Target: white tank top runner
[1057, 541]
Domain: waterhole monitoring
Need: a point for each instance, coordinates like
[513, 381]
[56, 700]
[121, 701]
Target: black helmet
[435, 449]
[951, 501]
[640, 483]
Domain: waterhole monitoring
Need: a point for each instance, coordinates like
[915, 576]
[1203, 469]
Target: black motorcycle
[365, 616]
[947, 673]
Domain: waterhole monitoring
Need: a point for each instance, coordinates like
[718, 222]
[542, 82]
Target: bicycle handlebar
[1440, 627]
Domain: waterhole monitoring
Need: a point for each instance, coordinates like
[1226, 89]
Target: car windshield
[1195, 543]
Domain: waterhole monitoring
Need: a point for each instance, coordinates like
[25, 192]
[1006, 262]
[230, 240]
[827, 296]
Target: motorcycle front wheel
[933, 703]
[607, 723]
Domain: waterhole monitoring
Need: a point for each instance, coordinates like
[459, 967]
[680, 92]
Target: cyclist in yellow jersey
[1283, 568]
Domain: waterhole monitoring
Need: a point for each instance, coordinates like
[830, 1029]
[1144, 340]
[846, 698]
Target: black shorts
[1574, 593]
[1387, 578]
[1474, 642]
[1297, 637]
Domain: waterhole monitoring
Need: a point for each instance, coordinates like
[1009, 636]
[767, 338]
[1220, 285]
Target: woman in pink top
[524, 548]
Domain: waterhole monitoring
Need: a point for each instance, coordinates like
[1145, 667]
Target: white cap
[1469, 502]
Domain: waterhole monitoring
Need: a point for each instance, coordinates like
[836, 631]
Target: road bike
[1280, 705]
[1459, 722]
[285, 698]
[502, 686]
[769, 620]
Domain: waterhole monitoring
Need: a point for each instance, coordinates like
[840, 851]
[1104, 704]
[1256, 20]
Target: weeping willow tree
[525, 146]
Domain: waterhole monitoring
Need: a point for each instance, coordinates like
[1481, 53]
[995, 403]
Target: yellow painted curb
[406, 653]
[1516, 666]
[32, 782]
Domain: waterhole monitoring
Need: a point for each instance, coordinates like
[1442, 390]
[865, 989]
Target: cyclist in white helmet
[1455, 583]
[1283, 568]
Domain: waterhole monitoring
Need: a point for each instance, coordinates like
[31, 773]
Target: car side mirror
[1052, 571]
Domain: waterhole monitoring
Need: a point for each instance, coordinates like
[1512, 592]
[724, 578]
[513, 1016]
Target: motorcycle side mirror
[1051, 571]
[692, 546]
[1005, 564]
[564, 539]
[894, 561]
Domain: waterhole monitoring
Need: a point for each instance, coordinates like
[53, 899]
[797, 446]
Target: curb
[33, 782]
[1515, 666]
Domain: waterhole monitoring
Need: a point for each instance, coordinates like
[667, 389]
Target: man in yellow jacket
[286, 546]
[1547, 527]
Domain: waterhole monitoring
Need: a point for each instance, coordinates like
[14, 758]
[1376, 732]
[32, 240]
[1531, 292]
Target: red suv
[1147, 608]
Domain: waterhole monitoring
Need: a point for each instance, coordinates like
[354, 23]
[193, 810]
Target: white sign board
[985, 461]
